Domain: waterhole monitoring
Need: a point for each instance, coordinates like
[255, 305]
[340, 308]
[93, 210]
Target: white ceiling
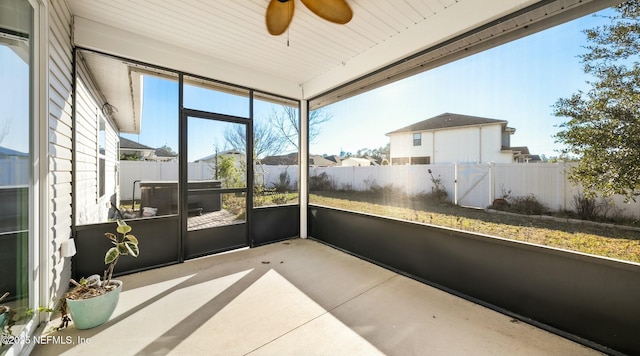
[228, 41]
[314, 55]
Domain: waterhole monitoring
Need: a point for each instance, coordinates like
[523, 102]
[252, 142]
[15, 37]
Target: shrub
[528, 205]
[279, 199]
[438, 191]
[500, 204]
[321, 182]
[283, 184]
[586, 208]
[386, 192]
[346, 187]
[438, 196]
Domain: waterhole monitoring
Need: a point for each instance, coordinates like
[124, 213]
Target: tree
[4, 130]
[603, 129]
[266, 141]
[168, 149]
[286, 122]
[230, 174]
[379, 154]
[277, 135]
[130, 157]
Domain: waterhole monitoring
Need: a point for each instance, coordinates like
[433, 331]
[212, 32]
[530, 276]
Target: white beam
[303, 163]
[100, 37]
[455, 20]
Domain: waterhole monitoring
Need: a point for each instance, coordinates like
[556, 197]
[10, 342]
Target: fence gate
[473, 185]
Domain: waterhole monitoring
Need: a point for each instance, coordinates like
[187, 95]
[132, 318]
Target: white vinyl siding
[402, 145]
[91, 206]
[491, 138]
[59, 143]
[456, 144]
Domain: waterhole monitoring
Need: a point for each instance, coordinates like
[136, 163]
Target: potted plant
[6, 315]
[92, 301]
[11, 316]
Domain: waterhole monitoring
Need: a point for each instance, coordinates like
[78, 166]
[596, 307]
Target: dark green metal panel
[158, 242]
[578, 296]
[275, 223]
[208, 241]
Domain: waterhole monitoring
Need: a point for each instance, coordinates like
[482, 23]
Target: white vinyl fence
[473, 185]
[14, 171]
[134, 171]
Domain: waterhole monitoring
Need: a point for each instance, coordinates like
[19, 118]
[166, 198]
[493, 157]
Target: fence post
[492, 167]
[563, 176]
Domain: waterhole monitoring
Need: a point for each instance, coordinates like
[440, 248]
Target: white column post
[303, 160]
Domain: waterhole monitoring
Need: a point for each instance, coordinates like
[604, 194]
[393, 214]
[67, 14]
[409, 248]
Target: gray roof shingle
[132, 145]
[447, 120]
[9, 152]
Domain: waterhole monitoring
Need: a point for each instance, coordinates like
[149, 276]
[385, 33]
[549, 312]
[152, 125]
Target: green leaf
[124, 228]
[111, 255]
[122, 248]
[133, 248]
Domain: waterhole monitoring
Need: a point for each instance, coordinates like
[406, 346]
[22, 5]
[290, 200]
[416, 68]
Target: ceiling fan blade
[336, 11]
[279, 15]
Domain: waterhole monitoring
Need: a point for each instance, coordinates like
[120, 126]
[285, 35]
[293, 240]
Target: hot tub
[163, 196]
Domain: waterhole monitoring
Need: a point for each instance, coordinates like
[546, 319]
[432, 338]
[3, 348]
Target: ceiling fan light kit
[280, 13]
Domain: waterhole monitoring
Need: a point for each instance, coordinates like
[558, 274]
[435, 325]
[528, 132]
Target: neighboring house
[290, 159]
[7, 152]
[134, 149]
[319, 161]
[163, 155]
[450, 138]
[237, 156]
[335, 158]
[137, 151]
[375, 161]
[522, 155]
[355, 162]
[14, 167]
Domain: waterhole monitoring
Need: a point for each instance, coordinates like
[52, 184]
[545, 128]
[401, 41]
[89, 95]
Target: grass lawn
[612, 242]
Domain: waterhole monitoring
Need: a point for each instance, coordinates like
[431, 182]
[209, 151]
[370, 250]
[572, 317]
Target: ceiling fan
[280, 13]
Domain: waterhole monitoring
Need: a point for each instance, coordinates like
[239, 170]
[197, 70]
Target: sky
[160, 112]
[518, 82]
[14, 101]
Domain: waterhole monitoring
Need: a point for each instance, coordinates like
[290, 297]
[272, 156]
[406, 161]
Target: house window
[18, 162]
[417, 139]
[420, 160]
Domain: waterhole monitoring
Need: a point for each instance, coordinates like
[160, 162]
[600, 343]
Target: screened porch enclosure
[266, 177]
[175, 166]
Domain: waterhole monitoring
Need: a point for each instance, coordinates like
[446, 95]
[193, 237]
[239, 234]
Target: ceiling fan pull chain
[289, 27]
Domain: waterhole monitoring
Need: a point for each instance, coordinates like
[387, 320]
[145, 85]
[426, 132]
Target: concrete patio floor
[298, 297]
